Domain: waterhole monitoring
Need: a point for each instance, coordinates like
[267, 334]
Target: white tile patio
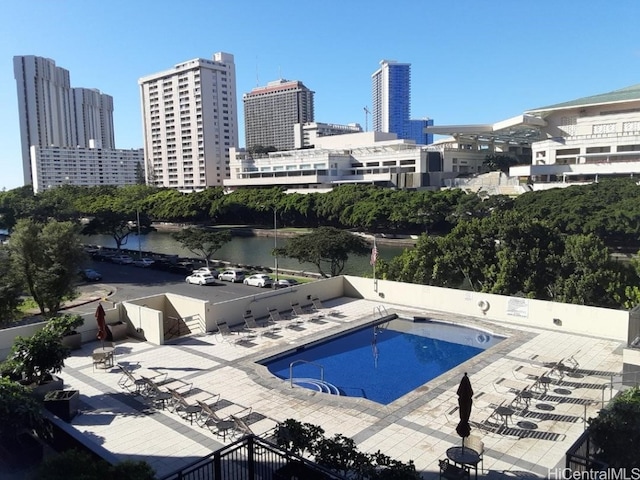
[419, 426]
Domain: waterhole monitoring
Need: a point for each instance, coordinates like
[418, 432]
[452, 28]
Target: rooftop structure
[420, 426]
[306, 134]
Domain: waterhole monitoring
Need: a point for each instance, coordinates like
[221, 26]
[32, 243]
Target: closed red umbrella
[465, 402]
[103, 330]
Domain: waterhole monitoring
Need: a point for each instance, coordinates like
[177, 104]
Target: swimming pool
[383, 362]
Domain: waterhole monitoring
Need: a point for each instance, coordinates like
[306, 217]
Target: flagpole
[373, 260]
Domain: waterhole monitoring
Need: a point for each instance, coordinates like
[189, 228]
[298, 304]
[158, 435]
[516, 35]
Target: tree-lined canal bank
[241, 250]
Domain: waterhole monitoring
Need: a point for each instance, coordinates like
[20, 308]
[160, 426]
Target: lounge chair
[226, 335]
[279, 319]
[567, 364]
[317, 304]
[209, 418]
[129, 381]
[242, 428]
[301, 314]
[183, 408]
[266, 327]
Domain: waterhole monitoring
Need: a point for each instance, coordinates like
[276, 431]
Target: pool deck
[419, 426]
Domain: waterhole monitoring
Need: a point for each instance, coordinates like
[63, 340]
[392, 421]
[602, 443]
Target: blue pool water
[384, 363]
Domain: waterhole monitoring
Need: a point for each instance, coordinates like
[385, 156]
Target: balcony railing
[251, 458]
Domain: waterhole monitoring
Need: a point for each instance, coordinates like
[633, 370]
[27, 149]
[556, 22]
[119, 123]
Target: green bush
[616, 430]
[79, 465]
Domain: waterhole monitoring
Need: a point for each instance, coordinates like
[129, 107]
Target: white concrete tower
[190, 121]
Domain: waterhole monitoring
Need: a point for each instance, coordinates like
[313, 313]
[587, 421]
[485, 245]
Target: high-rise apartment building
[271, 112]
[391, 90]
[189, 123]
[391, 85]
[52, 113]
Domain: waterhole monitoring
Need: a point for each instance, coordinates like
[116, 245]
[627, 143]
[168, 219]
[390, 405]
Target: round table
[223, 427]
[505, 413]
[191, 410]
[162, 397]
[464, 456]
[107, 355]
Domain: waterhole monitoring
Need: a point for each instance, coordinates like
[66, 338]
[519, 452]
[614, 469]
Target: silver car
[236, 276]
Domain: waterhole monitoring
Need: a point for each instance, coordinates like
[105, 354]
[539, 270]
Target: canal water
[241, 250]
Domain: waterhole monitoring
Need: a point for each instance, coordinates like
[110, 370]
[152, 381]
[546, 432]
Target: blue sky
[472, 61]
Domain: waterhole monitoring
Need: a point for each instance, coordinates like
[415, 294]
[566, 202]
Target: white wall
[88, 330]
[231, 311]
[600, 322]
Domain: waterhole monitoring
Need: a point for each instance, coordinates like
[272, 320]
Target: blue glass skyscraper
[391, 85]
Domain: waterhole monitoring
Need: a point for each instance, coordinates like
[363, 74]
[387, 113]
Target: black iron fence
[252, 458]
[581, 455]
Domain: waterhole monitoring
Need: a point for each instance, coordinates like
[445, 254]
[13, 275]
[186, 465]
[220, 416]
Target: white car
[143, 262]
[209, 270]
[259, 280]
[199, 278]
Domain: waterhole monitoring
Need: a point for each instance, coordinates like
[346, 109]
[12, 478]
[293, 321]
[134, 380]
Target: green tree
[115, 211]
[201, 242]
[325, 247]
[47, 257]
[10, 288]
[19, 410]
[616, 430]
[495, 162]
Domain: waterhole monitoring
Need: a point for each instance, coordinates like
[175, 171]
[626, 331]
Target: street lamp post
[275, 240]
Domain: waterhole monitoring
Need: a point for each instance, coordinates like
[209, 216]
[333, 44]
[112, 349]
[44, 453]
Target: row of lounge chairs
[221, 417]
[513, 396]
[297, 317]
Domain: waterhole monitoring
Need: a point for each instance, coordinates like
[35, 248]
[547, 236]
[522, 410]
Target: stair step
[317, 385]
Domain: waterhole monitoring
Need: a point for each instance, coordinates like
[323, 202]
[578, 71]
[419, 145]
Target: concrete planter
[118, 331]
[73, 341]
[40, 391]
[63, 403]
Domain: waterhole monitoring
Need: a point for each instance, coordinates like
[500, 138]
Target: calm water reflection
[244, 250]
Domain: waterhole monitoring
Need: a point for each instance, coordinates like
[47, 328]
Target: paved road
[128, 282]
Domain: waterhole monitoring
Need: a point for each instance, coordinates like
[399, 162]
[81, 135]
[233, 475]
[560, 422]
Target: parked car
[90, 275]
[199, 278]
[286, 282]
[143, 262]
[122, 259]
[235, 276]
[210, 271]
[259, 280]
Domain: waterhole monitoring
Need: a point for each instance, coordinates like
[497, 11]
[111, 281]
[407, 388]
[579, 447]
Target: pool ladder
[291, 365]
[381, 311]
[312, 383]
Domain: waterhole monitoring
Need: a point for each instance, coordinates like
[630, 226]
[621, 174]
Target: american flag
[374, 253]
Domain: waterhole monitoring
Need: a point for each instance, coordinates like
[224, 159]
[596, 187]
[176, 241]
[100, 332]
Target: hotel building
[271, 112]
[190, 122]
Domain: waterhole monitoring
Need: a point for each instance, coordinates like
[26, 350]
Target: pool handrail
[304, 361]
